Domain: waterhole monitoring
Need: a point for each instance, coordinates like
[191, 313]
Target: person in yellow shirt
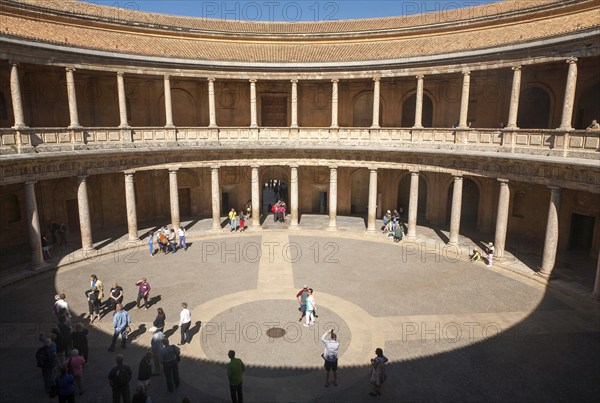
[233, 219]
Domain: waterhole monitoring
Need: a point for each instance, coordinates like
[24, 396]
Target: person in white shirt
[311, 306]
[330, 355]
[181, 234]
[185, 320]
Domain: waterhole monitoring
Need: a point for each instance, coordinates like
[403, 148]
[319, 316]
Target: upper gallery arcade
[499, 95]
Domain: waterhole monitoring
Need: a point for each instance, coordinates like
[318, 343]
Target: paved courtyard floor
[453, 330]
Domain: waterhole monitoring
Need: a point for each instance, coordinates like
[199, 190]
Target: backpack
[42, 357]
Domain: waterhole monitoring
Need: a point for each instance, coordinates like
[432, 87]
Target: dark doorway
[582, 232]
[534, 109]
[225, 203]
[73, 215]
[273, 109]
[185, 202]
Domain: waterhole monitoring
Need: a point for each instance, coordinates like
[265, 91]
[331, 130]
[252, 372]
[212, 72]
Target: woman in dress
[378, 376]
[159, 321]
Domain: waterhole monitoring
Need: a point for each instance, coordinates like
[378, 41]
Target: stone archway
[408, 111]
[362, 110]
[534, 108]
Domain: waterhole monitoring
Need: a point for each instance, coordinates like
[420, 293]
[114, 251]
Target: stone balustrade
[574, 144]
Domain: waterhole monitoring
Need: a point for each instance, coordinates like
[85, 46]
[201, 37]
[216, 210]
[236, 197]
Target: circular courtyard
[452, 330]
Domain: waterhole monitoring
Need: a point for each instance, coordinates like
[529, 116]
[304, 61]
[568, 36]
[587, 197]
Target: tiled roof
[79, 33]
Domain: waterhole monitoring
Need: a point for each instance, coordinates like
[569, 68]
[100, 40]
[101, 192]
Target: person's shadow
[129, 306]
[171, 331]
[154, 300]
[193, 331]
[136, 333]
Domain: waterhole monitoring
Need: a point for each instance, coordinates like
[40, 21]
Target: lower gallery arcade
[507, 212]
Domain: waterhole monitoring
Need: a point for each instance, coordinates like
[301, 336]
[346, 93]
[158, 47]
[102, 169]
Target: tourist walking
[119, 378]
[141, 395]
[94, 282]
[143, 292]
[145, 369]
[378, 375]
[181, 233]
[242, 221]
[45, 358]
[159, 321]
[490, 254]
[301, 298]
[75, 366]
[151, 243]
[311, 306]
[235, 372]
[185, 320]
[330, 355]
[169, 356]
[65, 386]
[233, 219]
[93, 297]
[157, 345]
[116, 296]
[121, 321]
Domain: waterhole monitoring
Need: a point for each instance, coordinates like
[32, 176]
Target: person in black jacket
[145, 369]
[159, 321]
[80, 341]
[119, 378]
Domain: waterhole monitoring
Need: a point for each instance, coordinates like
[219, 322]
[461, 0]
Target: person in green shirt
[235, 370]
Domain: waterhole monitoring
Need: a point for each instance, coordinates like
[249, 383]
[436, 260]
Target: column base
[543, 274]
[564, 129]
[375, 127]
[75, 127]
[20, 127]
[256, 227]
[411, 237]
[132, 239]
[371, 231]
[171, 126]
[453, 244]
[332, 228]
[40, 266]
[294, 227]
[213, 126]
[216, 229]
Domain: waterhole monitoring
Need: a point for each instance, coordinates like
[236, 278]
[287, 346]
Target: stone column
[569, 101]
[376, 92]
[294, 104]
[464, 100]
[502, 218]
[253, 118]
[419, 104]
[216, 198]
[174, 198]
[551, 240]
[413, 203]
[456, 207]
[332, 198]
[168, 103]
[15, 94]
[372, 212]
[334, 103]
[294, 197]
[72, 98]
[256, 197]
[514, 98]
[33, 226]
[122, 100]
[212, 114]
[130, 205]
[83, 205]
[597, 283]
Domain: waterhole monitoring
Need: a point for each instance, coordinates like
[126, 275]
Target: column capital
[516, 68]
[377, 78]
[129, 171]
[252, 80]
[414, 172]
[215, 167]
[294, 81]
[120, 73]
[210, 79]
[13, 62]
[554, 188]
[293, 165]
[173, 170]
[372, 168]
[419, 76]
[571, 60]
[334, 166]
[503, 181]
[82, 177]
[335, 80]
[466, 72]
[457, 176]
[166, 76]
[254, 166]
[70, 69]
[30, 183]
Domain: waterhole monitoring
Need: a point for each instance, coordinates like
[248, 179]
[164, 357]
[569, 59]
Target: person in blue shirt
[121, 321]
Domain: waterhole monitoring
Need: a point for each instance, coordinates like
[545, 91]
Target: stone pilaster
[122, 100]
[502, 218]
[413, 203]
[72, 98]
[332, 198]
[464, 100]
[174, 198]
[569, 101]
[514, 98]
[15, 94]
[216, 198]
[130, 205]
[372, 212]
[168, 102]
[253, 117]
[419, 103]
[294, 197]
[33, 226]
[212, 114]
[551, 239]
[334, 103]
[294, 122]
[376, 95]
[456, 209]
[256, 197]
[85, 223]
